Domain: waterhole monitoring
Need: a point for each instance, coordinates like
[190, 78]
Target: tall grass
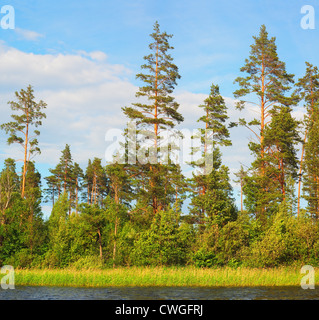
[162, 277]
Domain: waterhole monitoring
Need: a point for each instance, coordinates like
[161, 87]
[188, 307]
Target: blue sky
[211, 38]
[82, 58]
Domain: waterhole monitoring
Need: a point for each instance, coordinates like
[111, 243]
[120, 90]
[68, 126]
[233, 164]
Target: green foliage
[311, 176]
[87, 263]
[205, 259]
[288, 240]
[267, 84]
[165, 243]
[131, 215]
[156, 184]
[212, 195]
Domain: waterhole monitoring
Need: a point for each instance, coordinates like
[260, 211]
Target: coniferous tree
[88, 181]
[308, 91]
[33, 197]
[77, 176]
[311, 170]
[66, 178]
[120, 191]
[211, 189]
[241, 175]
[51, 191]
[20, 129]
[157, 112]
[9, 187]
[96, 182]
[281, 138]
[66, 164]
[54, 184]
[267, 83]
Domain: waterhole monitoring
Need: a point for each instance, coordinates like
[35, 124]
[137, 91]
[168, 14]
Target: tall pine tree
[311, 170]
[211, 189]
[157, 112]
[30, 115]
[308, 91]
[266, 84]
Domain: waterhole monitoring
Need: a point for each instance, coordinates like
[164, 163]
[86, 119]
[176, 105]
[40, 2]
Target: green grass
[161, 277]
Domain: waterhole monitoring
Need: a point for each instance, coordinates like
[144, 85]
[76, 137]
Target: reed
[160, 277]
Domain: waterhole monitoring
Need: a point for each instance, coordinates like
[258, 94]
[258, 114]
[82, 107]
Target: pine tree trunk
[25, 158]
[88, 193]
[76, 196]
[117, 202]
[100, 243]
[300, 173]
[153, 170]
[241, 196]
[114, 246]
[262, 128]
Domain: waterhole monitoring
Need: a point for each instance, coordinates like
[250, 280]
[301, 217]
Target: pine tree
[66, 164]
[241, 175]
[157, 112]
[96, 182]
[9, 187]
[52, 190]
[66, 178]
[308, 91]
[66, 167]
[77, 177]
[268, 82]
[20, 128]
[54, 184]
[33, 197]
[311, 170]
[211, 189]
[120, 191]
[281, 138]
[33, 193]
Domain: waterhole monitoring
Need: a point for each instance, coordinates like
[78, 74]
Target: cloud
[55, 71]
[28, 34]
[94, 55]
[84, 94]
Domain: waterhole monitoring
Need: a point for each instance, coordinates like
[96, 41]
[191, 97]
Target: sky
[81, 57]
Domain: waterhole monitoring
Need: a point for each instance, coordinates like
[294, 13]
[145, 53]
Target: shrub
[87, 263]
[205, 259]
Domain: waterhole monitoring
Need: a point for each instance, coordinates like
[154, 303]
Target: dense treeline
[132, 214]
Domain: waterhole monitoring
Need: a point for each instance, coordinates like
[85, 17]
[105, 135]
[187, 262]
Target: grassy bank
[171, 277]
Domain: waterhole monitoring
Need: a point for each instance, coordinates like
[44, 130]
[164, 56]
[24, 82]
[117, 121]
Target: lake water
[259, 293]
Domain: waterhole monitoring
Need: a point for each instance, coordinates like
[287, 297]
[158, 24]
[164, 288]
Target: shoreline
[161, 277]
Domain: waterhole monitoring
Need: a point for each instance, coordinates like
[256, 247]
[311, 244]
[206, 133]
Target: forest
[120, 215]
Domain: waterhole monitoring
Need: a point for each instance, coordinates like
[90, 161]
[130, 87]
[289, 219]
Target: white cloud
[84, 94]
[58, 71]
[94, 55]
[28, 34]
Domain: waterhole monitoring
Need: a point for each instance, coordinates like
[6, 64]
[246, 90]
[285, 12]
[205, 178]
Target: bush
[166, 243]
[21, 259]
[234, 236]
[205, 259]
[88, 263]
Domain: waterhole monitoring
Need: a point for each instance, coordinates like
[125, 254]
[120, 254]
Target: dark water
[259, 293]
